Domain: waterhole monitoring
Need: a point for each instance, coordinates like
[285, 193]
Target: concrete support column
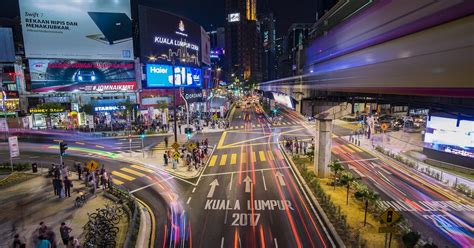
[322, 147]
[299, 107]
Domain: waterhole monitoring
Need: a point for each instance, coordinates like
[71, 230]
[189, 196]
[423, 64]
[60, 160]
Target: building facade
[268, 33]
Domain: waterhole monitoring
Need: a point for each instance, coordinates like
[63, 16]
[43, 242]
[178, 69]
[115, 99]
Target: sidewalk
[25, 205]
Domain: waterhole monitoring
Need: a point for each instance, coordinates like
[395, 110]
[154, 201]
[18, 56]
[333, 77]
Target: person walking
[79, 171]
[17, 242]
[64, 230]
[165, 158]
[166, 141]
[56, 186]
[67, 187]
[179, 127]
[73, 243]
[43, 242]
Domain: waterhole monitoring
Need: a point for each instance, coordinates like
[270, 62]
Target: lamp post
[174, 102]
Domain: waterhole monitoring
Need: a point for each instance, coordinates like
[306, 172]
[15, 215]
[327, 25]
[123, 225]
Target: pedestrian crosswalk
[160, 146]
[129, 173]
[344, 149]
[244, 158]
[277, 124]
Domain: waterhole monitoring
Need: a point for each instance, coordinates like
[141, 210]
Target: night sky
[211, 12]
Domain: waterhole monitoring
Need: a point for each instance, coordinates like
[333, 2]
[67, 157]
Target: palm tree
[347, 178]
[367, 196]
[336, 167]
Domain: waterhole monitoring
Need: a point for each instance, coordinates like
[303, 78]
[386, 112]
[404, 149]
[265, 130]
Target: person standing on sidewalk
[56, 186]
[166, 141]
[165, 158]
[64, 230]
[67, 187]
[79, 171]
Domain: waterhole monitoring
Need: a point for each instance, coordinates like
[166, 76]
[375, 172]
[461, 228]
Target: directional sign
[175, 146]
[280, 178]
[389, 216]
[191, 146]
[92, 165]
[247, 182]
[176, 155]
[213, 185]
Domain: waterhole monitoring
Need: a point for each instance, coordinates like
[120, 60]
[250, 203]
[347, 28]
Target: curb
[307, 190]
[147, 226]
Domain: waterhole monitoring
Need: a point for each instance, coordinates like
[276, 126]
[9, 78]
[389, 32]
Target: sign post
[389, 217]
[14, 149]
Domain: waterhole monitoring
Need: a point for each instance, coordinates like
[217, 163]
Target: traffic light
[275, 110]
[188, 132]
[62, 148]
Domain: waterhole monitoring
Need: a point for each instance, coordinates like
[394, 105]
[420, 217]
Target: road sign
[387, 229]
[389, 216]
[13, 144]
[92, 165]
[191, 146]
[384, 126]
[175, 146]
[176, 155]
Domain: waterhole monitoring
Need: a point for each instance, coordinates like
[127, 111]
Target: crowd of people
[296, 146]
[192, 158]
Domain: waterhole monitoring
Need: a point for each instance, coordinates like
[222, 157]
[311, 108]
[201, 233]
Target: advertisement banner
[160, 76]
[69, 75]
[13, 145]
[71, 29]
[205, 47]
[3, 125]
[193, 95]
[164, 36]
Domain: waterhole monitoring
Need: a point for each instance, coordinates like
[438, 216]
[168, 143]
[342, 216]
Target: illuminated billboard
[450, 135]
[283, 99]
[160, 76]
[164, 36]
[69, 75]
[71, 29]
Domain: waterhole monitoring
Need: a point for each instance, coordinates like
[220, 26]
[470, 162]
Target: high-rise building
[268, 33]
[217, 37]
[296, 36]
[243, 41]
[218, 61]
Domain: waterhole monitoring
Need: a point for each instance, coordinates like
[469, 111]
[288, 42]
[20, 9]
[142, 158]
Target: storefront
[57, 118]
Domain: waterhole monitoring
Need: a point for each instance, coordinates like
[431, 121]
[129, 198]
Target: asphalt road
[248, 195]
[439, 214]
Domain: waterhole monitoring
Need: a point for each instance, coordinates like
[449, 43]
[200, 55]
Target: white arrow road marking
[280, 178]
[214, 184]
[247, 181]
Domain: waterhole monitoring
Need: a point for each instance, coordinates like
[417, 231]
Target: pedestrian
[79, 171]
[56, 186]
[73, 243]
[42, 229]
[175, 163]
[61, 188]
[43, 242]
[67, 187]
[166, 141]
[179, 126]
[110, 181]
[17, 242]
[165, 158]
[64, 230]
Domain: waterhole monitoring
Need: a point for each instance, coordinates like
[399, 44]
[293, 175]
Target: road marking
[270, 156]
[254, 157]
[99, 146]
[355, 148]
[230, 184]
[117, 182]
[189, 199]
[80, 143]
[344, 147]
[243, 171]
[141, 168]
[194, 189]
[213, 185]
[359, 160]
[152, 184]
[153, 222]
[233, 159]
[259, 125]
[261, 154]
[213, 160]
[223, 160]
[242, 126]
[126, 177]
[280, 178]
[243, 158]
[248, 183]
[136, 173]
[264, 183]
[276, 243]
[335, 150]
[222, 242]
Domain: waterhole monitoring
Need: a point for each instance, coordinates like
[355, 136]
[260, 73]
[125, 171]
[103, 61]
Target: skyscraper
[268, 33]
[243, 41]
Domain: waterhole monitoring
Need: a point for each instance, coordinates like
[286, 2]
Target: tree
[347, 179]
[367, 196]
[88, 109]
[336, 167]
[410, 239]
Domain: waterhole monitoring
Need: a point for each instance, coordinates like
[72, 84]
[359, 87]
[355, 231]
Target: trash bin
[34, 167]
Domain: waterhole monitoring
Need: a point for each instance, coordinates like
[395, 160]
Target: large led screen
[68, 75]
[72, 29]
[160, 76]
[283, 99]
[164, 36]
[449, 135]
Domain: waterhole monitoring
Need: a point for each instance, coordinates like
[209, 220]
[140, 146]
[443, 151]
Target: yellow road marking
[233, 159]
[141, 168]
[333, 150]
[117, 182]
[152, 216]
[221, 140]
[261, 154]
[99, 146]
[355, 148]
[344, 147]
[270, 156]
[213, 160]
[223, 160]
[126, 177]
[241, 126]
[243, 158]
[136, 173]
[254, 157]
[79, 143]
